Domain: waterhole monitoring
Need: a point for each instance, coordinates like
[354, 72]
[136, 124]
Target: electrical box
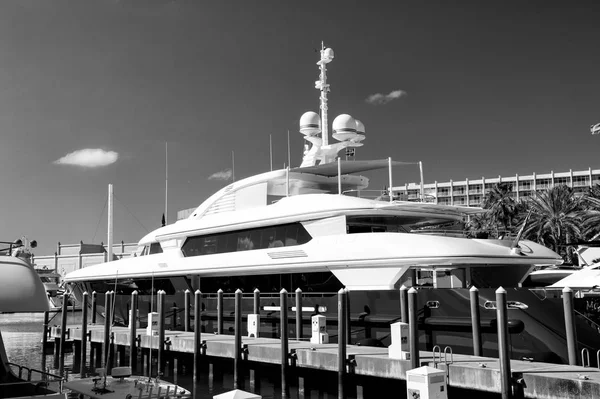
[152, 328]
[253, 325]
[426, 383]
[400, 347]
[319, 330]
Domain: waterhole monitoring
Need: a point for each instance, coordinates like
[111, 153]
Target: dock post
[342, 293]
[94, 307]
[133, 332]
[413, 328]
[348, 319]
[63, 332]
[84, 312]
[503, 343]
[476, 321]
[256, 301]
[403, 304]
[284, 342]
[298, 314]
[186, 314]
[107, 323]
[197, 337]
[254, 380]
[237, 348]
[45, 339]
[161, 329]
[570, 325]
[220, 311]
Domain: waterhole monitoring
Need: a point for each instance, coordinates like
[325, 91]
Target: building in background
[471, 192]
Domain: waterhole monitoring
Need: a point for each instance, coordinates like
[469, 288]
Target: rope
[131, 213]
[100, 219]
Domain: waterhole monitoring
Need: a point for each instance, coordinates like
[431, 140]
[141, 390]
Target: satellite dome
[360, 130]
[344, 127]
[310, 123]
[327, 55]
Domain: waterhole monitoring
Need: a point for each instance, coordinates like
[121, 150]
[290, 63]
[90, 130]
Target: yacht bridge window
[284, 235]
[395, 224]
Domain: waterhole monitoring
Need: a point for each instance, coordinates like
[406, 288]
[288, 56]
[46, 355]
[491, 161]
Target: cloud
[89, 158]
[222, 175]
[380, 99]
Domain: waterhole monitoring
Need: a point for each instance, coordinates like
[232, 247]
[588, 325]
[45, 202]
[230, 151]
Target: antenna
[321, 84]
[289, 156]
[166, 184]
[233, 166]
[271, 151]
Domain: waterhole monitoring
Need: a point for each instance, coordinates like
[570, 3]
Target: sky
[91, 90]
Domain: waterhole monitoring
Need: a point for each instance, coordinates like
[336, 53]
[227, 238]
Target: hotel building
[471, 192]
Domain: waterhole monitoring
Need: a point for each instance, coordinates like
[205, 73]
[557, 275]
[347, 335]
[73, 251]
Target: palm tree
[501, 206]
[556, 216]
[591, 222]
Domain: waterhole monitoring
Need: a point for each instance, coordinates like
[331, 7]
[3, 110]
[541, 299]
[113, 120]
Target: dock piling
[197, 337]
[298, 313]
[403, 304]
[237, 349]
[161, 296]
[348, 319]
[186, 313]
[476, 321]
[220, 311]
[256, 301]
[63, 332]
[413, 328]
[94, 307]
[570, 325]
[133, 332]
[107, 323]
[342, 302]
[84, 312]
[503, 343]
[284, 342]
[45, 338]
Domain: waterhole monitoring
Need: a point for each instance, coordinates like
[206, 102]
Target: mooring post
[413, 327]
[476, 321]
[256, 301]
[84, 312]
[298, 313]
[403, 304]
[237, 349]
[45, 338]
[186, 313]
[133, 332]
[284, 341]
[570, 325]
[63, 331]
[220, 311]
[348, 319]
[94, 307]
[161, 296]
[107, 320]
[197, 338]
[503, 343]
[341, 342]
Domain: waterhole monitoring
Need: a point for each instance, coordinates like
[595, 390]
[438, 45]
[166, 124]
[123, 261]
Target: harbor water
[22, 335]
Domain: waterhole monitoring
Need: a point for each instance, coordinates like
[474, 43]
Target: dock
[530, 379]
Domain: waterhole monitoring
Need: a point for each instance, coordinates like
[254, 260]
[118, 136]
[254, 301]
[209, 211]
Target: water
[22, 335]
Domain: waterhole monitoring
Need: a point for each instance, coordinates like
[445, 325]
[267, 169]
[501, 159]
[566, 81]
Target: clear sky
[487, 89]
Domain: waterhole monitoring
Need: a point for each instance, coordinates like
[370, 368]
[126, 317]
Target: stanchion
[220, 311]
[342, 302]
[186, 313]
[84, 312]
[237, 350]
[284, 342]
[413, 328]
[348, 319]
[570, 325]
[161, 296]
[476, 321]
[133, 332]
[94, 307]
[298, 313]
[197, 337]
[503, 343]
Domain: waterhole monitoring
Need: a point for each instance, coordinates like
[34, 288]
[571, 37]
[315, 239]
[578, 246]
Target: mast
[166, 184]
[324, 87]
[110, 223]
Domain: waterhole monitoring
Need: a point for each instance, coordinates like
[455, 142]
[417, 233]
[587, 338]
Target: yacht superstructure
[295, 228]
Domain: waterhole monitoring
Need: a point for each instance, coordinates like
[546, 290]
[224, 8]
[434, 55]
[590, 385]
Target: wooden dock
[530, 379]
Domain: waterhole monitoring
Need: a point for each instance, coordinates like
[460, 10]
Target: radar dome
[360, 130]
[327, 55]
[310, 123]
[344, 127]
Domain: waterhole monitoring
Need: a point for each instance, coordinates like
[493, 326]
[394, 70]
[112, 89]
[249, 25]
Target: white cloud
[222, 175]
[380, 99]
[89, 158]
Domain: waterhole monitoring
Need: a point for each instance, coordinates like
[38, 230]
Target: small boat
[53, 284]
[22, 290]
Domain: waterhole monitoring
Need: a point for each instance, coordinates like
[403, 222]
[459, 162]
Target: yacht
[22, 291]
[315, 227]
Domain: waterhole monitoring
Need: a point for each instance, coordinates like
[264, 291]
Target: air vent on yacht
[287, 254]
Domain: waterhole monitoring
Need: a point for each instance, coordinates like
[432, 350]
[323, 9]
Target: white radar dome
[360, 130]
[310, 123]
[327, 55]
[344, 127]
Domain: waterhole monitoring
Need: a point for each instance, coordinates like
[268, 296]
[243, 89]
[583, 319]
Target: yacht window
[155, 248]
[245, 240]
[393, 224]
